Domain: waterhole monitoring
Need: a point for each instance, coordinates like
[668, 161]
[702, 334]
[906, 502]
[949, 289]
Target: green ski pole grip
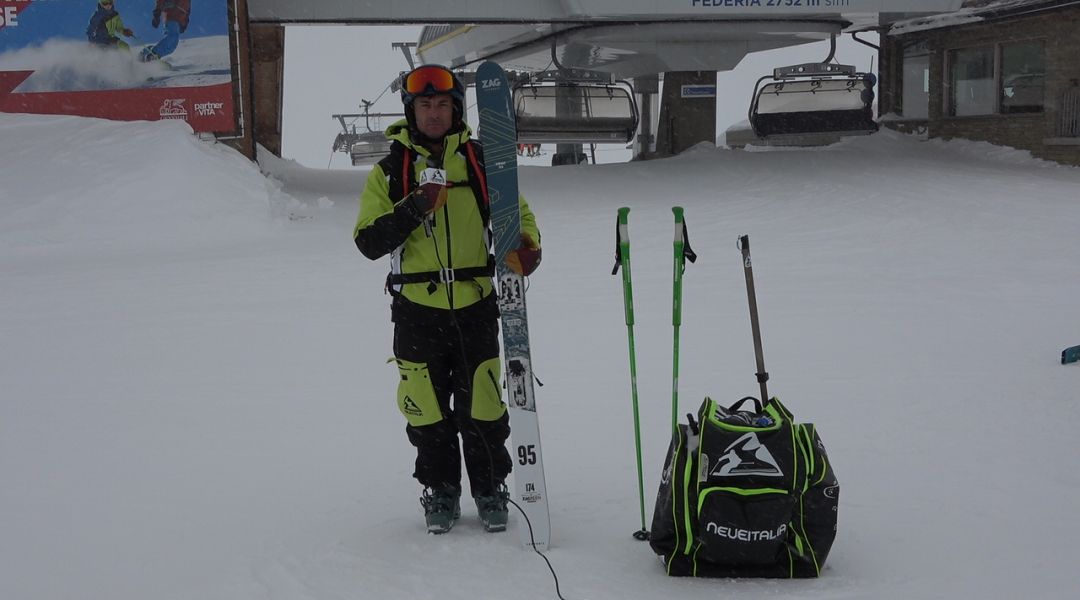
[624, 258]
[679, 266]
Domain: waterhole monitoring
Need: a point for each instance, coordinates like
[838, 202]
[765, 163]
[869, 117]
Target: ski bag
[745, 494]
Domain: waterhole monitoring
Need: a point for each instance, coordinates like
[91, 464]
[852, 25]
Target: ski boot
[492, 509]
[148, 55]
[442, 506]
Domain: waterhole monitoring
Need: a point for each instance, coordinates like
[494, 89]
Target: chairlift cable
[382, 93]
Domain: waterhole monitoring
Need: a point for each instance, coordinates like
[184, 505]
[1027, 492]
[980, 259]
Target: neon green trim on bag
[688, 469]
[806, 444]
[487, 404]
[778, 419]
[744, 428]
[806, 439]
[778, 409]
[416, 396]
[674, 512]
[737, 491]
[795, 460]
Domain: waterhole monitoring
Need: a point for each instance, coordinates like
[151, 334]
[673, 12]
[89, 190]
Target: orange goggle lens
[424, 79]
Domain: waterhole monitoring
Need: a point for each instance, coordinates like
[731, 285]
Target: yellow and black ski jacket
[455, 249]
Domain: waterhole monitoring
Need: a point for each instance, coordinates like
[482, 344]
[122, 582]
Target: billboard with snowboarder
[119, 59]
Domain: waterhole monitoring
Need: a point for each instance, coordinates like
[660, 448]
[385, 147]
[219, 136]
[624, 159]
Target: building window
[999, 79]
[1022, 72]
[915, 84]
[971, 81]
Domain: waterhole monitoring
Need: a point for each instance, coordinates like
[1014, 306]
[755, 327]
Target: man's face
[434, 115]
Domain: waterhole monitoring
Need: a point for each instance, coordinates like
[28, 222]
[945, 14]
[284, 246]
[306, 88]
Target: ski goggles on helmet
[428, 80]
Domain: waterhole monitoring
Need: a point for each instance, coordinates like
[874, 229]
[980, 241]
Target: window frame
[997, 50]
[1000, 60]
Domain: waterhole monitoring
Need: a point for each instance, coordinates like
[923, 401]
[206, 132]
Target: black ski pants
[459, 355]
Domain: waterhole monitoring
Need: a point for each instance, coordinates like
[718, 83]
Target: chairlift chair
[561, 110]
[365, 146]
[813, 100]
[369, 148]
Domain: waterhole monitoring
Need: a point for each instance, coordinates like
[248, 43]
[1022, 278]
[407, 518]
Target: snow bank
[70, 181]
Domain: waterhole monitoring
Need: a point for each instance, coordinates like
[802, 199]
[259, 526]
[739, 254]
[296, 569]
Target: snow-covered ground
[194, 400]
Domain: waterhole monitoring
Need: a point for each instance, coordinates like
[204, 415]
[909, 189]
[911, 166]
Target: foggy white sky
[328, 69]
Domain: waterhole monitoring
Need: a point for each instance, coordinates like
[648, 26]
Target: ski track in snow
[195, 402]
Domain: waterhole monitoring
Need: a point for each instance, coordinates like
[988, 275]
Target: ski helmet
[431, 80]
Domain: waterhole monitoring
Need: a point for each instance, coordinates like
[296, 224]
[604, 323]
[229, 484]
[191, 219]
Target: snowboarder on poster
[175, 15]
[106, 27]
[434, 226]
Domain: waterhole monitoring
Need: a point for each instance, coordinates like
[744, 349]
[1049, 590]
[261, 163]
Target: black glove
[430, 196]
[424, 201]
[415, 205]
[157, 19]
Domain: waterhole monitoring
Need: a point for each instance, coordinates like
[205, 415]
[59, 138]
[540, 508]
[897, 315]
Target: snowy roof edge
[974, 11]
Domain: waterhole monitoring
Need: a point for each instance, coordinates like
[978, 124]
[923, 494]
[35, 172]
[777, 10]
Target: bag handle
[757, 404]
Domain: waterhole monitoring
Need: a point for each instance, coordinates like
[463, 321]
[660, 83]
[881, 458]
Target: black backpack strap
[474, 162]
[442, 276]
[757, 404]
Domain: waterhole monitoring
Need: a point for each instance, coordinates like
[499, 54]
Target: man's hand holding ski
[526, 258]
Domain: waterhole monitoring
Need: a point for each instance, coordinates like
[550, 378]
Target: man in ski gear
[176, 14]
[106, 27]
[426, 206]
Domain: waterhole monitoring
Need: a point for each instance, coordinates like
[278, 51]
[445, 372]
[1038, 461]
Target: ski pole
[622, 259]
[682, 254]
[762, 376]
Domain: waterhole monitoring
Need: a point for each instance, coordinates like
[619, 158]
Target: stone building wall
[1057, 28]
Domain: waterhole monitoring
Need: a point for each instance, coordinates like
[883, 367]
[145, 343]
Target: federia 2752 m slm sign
[119, 59]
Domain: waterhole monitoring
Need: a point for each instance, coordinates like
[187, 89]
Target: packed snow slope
[194, 400]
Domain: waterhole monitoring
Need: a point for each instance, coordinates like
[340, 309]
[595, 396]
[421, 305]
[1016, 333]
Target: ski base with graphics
[498, 136]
